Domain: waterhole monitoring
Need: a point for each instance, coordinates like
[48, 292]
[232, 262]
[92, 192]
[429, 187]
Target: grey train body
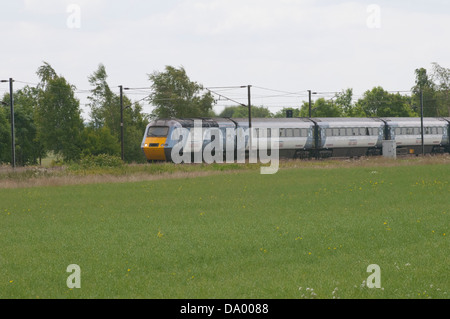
[311, 138]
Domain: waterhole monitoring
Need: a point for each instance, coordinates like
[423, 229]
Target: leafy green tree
[98, 141]
[104, 103]
[5, 137]
[242, 112]
[29, 149]
[380, 103]
[105, 113]
[59, 121]
[441, 78]
[425, 85]
[176, 96]
[344, 101]
[135, 124]
[321, 108]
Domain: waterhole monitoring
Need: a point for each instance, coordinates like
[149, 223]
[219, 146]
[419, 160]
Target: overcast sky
[283, 45]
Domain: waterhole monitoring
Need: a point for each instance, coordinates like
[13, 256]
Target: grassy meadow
[310, 231]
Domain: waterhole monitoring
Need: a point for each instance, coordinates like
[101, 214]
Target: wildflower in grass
[334, 293]
[160, 234]
[308, 294]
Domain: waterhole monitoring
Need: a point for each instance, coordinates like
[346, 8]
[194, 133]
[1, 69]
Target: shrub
[101, 161]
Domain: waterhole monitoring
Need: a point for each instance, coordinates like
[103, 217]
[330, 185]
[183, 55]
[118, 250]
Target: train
[296, 138]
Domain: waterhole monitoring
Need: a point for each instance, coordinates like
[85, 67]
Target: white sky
[286, 45]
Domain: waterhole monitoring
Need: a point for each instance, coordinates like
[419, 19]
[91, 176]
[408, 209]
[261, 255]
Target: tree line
[48, 116]
[48, 120]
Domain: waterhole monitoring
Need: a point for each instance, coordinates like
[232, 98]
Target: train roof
[349, 122]
[224, 122]
[275, 122]
[190, 122]
[414, 120]
[271, 120]
[347, 119]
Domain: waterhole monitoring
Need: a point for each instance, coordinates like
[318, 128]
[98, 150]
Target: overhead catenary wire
[229, 94]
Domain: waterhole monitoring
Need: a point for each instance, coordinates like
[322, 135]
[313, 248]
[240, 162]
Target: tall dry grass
[25, 177]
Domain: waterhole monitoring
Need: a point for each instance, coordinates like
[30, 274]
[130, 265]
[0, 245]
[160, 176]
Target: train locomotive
[297, 137]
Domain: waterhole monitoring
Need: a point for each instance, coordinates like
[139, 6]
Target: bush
[101, 161]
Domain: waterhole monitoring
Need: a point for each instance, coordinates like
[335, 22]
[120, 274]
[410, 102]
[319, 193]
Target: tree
[242, 112]
[105, 112]
[135, 125]
[425, 85]
[29, 149]
[441, 78]
[5, 137]
[321, 108]
[176, 96]
[98, 141]
[380, 103]
[104, 104]
[344, 101]
[59, 121]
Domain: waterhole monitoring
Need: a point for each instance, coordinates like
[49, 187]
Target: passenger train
[299, 137]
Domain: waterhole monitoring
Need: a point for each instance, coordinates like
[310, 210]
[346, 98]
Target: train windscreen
[158, 131]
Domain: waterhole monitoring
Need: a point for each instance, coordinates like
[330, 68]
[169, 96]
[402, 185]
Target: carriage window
[434, 130]
[416, 131]
[398, 131]
[349, 132]
[289, 132]
[427, 130]
[342, 132]
[335, 132]
[282, 132]
[297, 132]
[440, 130]
[304, 132]
[329, 132]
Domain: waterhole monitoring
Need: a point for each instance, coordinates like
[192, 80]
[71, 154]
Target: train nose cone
[154, 149]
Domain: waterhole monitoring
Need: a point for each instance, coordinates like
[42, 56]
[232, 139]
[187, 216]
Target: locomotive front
[155, 140]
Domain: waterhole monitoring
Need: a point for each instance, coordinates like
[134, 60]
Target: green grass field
[302, 233]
